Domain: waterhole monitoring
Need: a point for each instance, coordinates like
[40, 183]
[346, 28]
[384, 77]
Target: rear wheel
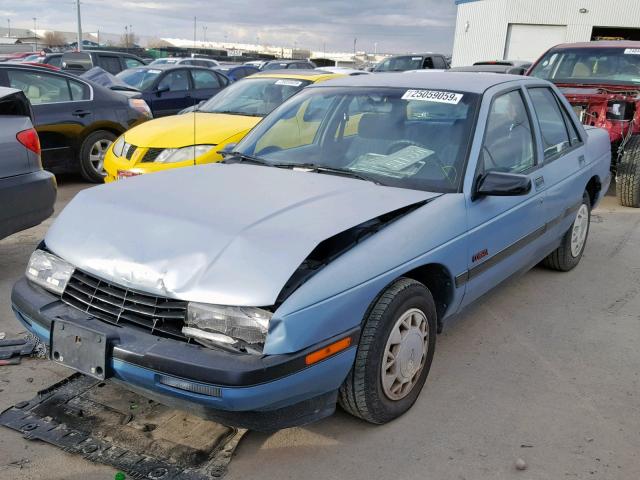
[92, 153]
[628, 174]
[394, 355]
[570, 251]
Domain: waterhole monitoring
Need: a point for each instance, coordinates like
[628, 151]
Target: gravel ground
[545, 369]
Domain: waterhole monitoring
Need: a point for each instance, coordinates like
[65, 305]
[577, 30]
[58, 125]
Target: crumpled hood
[229, 234]
[177, 130]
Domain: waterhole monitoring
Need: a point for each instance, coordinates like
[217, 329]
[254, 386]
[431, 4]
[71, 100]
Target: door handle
[539, 181]
[581, 160]
[81, 113]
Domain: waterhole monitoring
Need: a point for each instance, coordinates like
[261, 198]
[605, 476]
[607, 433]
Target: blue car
[169, 88]
[316, 264]
[236, 72]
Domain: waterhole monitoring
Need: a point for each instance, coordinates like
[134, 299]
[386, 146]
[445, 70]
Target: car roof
[601, 44]
[168, 66]
[456, 81]
[302, 74]
[6, 91]
[428, 54]
[302, 60]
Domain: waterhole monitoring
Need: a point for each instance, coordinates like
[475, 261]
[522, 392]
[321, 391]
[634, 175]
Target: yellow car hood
[178, 130]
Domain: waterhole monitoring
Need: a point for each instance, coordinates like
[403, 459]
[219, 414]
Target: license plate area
[79, 348]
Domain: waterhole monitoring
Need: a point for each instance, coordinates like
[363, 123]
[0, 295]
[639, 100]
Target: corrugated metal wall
[481, 27]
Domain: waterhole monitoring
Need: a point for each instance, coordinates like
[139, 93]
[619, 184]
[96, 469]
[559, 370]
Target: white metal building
[524, 29]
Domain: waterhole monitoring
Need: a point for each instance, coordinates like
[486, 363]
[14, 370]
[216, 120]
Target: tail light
[141, 106]
[29, 138]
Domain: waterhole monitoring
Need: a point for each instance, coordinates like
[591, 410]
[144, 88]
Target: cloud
[394, 25]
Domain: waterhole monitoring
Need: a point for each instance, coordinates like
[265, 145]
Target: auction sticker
[289, 83]
[632, 51]
[438, 96]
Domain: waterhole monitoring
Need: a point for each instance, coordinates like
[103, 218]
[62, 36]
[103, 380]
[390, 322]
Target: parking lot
[545, 369]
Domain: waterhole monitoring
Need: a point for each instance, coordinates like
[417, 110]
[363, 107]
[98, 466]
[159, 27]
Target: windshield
[140, 78]
[275, 66]
[164, 61]
[613, 65]
[404, 138]
[399, 64]
[253, 96]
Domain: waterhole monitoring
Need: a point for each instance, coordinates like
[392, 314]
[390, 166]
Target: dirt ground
[546, 369]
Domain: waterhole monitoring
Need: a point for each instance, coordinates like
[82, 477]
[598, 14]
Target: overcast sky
[396, 25]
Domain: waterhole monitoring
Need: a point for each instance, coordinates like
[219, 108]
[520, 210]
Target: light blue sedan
[316, 264]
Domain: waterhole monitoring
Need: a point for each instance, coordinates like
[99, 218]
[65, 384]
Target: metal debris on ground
[41, 350]
[94, 419]
[13, 349]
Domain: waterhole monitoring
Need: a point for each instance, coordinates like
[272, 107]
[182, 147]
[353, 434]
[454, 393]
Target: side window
[555, 138]
[428, 63]
[55, 61]
[438, 62]
[187, 62]
[203, 79]
[508, 142]
[132, 62]
[110, 63]
[175, 81]
[573, 131]
[224, 81]
[79, 91]
[40, 88]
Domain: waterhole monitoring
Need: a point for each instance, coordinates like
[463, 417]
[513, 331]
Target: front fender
[337, 297]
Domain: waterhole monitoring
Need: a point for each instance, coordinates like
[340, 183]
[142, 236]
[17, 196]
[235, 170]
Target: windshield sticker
[289, 83]
[154, 71]
[416, 58]
[433, 96]
[401, 164]
[632, 51]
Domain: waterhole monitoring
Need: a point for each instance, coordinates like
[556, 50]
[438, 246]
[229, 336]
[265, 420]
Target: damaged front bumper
[265, 392]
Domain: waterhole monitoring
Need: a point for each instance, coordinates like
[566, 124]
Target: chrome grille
[117, 305]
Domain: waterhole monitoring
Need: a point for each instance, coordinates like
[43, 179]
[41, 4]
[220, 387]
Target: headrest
[378, 126]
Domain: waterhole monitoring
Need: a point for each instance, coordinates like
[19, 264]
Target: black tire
[362, 394]
[87, 169]
[628, 174]
[562, 259]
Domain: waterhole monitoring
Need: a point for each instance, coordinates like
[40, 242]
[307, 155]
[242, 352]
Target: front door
[504, 232]
[173, 93]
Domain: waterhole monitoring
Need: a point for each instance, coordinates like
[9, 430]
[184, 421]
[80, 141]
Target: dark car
[235, 72]
[112, 62]
[197, 62]
[286, 64]
[514, 67]
[27, 193]
[167, 89]
[491, 68]
[417, 61]
[53, 59]
[76, 120]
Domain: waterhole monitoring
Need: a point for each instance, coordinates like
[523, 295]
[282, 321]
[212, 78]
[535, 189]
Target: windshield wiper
[243, 157]
[329, 170]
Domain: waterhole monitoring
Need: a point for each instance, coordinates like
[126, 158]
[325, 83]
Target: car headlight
[49, 271]
[227, 325]
[174, 155]
[118, 146]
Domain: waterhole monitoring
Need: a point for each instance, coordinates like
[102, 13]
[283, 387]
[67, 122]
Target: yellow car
[197, 137]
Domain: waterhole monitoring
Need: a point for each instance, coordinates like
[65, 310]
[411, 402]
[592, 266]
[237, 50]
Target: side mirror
[502, 184]
[160, 91]
[227, 149]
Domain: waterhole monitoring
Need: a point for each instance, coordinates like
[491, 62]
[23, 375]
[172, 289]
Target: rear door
[206, 83]
[173, 93]
[504, 232]
[110, 63]
[61, 108]
[564, 159]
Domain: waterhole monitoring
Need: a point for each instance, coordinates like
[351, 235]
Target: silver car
[27, 193]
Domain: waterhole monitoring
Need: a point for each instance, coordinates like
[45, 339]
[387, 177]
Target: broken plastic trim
[331, 248]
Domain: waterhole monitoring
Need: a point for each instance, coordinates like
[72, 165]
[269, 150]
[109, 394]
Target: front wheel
[628, 174]
[570, 251]
[92, 153]
[394, 355]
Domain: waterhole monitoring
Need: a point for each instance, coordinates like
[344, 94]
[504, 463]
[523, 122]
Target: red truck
[601, 80]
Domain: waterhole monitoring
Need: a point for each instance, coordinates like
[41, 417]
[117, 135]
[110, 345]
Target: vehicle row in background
[76, 120]
[27, 193]
[197, 138]
[112, 62]
[418, 61]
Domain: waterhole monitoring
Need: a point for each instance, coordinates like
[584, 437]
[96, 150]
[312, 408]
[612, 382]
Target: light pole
[79, 26]
[35, 35]
[204, 33]
[9, 25]
[126, 37]
[355, 40]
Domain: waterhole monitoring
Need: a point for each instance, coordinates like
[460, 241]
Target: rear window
[15, 105]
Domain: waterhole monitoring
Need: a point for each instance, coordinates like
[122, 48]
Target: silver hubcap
[405, 354]
[579, 231]
[97, 153]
